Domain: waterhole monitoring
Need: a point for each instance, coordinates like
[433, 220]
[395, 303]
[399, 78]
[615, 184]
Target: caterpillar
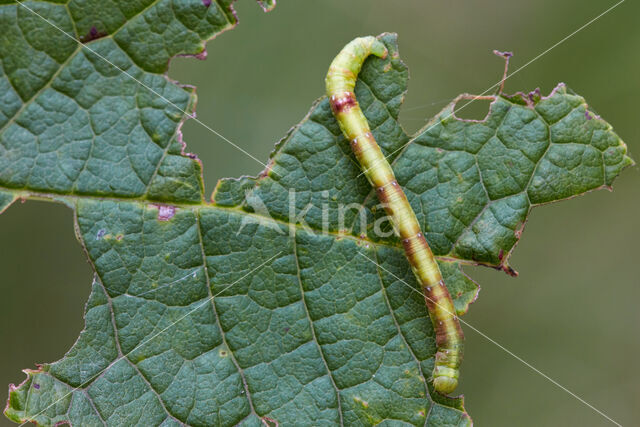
[340, 84]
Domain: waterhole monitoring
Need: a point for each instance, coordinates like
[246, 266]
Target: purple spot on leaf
[93, 34]
[36, 386]
[206, 3]
[165, 213]
[101, 233]
[587, 115]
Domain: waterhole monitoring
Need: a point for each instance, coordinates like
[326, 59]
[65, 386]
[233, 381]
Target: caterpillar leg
[340, 83]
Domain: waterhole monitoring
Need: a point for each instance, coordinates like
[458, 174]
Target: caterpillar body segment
[340, 84]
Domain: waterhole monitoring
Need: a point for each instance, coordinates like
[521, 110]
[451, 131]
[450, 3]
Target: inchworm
[340, 82]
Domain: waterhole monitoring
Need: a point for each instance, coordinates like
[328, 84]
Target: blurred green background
[572, 313]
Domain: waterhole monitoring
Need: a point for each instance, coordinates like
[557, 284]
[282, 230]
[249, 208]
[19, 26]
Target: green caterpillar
[340, 83]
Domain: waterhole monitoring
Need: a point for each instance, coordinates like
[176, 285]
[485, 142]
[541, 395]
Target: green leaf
[234, 312]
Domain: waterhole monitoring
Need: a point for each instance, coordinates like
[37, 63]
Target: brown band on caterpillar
[343, 103]
[362, 143]
[414, 243]
[433, 296]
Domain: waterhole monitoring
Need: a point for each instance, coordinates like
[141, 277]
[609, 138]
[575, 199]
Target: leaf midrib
[71, 200]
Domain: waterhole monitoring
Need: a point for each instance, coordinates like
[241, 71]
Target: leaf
[303, 327]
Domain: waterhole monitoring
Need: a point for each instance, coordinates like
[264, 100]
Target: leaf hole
[269, 422]
[44, 271]
[473, 108]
